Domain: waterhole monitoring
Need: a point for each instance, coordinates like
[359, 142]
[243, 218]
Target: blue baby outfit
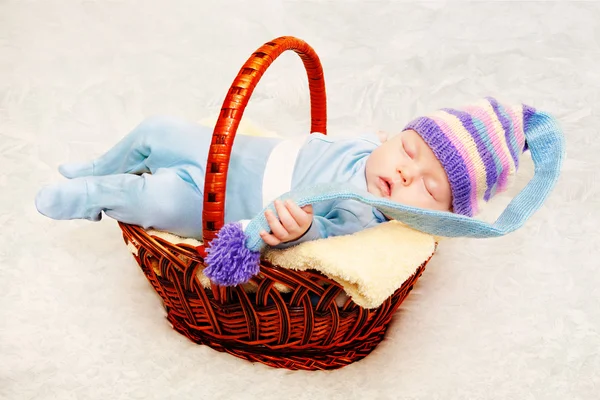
[321, 159]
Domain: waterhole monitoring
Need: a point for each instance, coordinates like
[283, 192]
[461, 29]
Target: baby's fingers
[276, 227]
[269, 239]
[302, 216]
[287, 219]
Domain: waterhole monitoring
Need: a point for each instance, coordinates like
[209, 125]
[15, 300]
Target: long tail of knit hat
[479, 147]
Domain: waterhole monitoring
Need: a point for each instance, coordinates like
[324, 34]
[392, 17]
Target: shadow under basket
[303, 328]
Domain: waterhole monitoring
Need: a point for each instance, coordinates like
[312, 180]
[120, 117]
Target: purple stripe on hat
[528, 112]
[454, 165]
[485, 151]
[508, 128]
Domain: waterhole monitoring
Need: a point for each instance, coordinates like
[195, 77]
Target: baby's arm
[343, 218]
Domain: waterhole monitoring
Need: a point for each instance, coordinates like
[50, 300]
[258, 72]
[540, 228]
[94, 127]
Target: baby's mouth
[385, 186]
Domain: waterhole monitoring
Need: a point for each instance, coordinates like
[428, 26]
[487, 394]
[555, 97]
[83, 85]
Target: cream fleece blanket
[370, 265]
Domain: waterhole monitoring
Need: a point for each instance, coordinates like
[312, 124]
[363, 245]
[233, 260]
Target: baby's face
[405, 170]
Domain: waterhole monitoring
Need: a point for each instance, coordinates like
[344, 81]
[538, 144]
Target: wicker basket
[276, 329]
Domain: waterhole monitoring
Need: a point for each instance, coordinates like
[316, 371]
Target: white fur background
[510, 318]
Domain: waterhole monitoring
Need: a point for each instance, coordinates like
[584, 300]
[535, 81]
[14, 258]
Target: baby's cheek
[414, 197]
[372, 185]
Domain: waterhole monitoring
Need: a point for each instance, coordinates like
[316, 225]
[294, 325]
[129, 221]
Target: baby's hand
[293, 222]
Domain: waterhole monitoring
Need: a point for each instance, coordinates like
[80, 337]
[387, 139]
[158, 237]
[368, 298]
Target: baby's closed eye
[408, 149]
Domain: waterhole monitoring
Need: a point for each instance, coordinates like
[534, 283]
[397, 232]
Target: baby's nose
[405, 176]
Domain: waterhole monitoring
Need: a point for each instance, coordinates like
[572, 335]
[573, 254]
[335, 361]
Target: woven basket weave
[276, 329]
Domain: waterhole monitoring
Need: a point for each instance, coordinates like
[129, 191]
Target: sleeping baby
[450, 160]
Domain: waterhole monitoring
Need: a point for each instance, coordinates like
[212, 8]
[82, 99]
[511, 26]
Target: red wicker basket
[276, 329]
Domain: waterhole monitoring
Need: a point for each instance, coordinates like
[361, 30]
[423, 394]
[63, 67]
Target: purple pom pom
[229, 262]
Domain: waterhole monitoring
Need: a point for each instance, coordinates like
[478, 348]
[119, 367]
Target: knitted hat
[479, 147]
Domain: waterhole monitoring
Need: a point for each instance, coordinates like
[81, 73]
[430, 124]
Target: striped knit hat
[479, 147]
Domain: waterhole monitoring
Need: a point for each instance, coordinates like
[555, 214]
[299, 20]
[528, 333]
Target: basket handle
[213, 214]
